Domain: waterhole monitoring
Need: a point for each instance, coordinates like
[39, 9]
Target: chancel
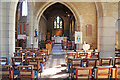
[41, 39]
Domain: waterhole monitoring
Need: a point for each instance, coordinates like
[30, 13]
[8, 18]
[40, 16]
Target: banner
[78, 37]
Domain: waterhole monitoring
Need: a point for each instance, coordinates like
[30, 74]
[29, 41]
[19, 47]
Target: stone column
[35, 41]
[31, 20]
[106, 33]
[118, 35]
[118, 26]
[7, 36]
[0, 28]
[30, 30]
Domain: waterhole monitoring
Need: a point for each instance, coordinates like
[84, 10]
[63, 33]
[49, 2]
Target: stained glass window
[24, 8]
[54, 24]
[58, 22]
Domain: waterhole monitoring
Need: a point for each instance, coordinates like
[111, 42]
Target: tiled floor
[55, 67]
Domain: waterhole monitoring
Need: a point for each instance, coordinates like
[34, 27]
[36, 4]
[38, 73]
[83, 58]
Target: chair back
[29, 55]
[16, 61]
[35, 64]
[95, 55]
[18, 55]
[6, 72]
[91, 62]
[3, 61]
[82, 55]
[76, 63]
[117, 72]
[84, 73]
[106, 61]
[25, 72]
[70, 55]
[103, 72]
[116, 61]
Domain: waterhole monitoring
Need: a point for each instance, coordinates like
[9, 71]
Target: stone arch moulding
[99, 11]
[68, 5]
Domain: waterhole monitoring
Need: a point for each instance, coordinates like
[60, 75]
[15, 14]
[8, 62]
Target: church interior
[59, 40]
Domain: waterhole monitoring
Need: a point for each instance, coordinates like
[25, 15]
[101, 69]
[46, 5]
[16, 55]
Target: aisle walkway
[57, 49]
[55, 66]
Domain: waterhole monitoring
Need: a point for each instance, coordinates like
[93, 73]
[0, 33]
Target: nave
[59, 39]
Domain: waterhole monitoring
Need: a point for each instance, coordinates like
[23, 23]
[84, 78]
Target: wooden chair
[36, 66]
[46, 52]
[69, 45]
[70, 55]
[6, 72]
[106, 61]
[75, 63]
[16, 61]
[4, 61]
[91, 62]
[95, 55]
[82, 55]
[18, 55]
[84, 73]
[103, 72]
[29, 55]
[116, 61]
[41, 56]
[26, 72]
[24, 51]
[77, 52]
[117, 72]
[117, 54]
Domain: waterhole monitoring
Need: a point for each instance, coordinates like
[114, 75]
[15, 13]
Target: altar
[59, 39]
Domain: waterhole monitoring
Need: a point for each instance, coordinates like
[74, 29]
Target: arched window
[58, 23]
[24, 8]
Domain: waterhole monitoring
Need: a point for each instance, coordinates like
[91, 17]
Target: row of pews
[26, 63]
[88, 65]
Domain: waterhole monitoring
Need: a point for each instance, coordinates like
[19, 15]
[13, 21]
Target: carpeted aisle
[57, 49]
[55, 66]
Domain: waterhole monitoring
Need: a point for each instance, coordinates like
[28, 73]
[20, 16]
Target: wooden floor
[55, 67]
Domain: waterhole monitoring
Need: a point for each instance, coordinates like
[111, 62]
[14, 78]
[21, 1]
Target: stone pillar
[118, 35]
[35, 41]
[118, 26]
[30, 29]
[0, 28]
[7, 29]
[106, 33]
[31, 20]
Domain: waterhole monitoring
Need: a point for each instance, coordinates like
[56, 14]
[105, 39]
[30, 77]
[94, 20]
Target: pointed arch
[68, 5]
